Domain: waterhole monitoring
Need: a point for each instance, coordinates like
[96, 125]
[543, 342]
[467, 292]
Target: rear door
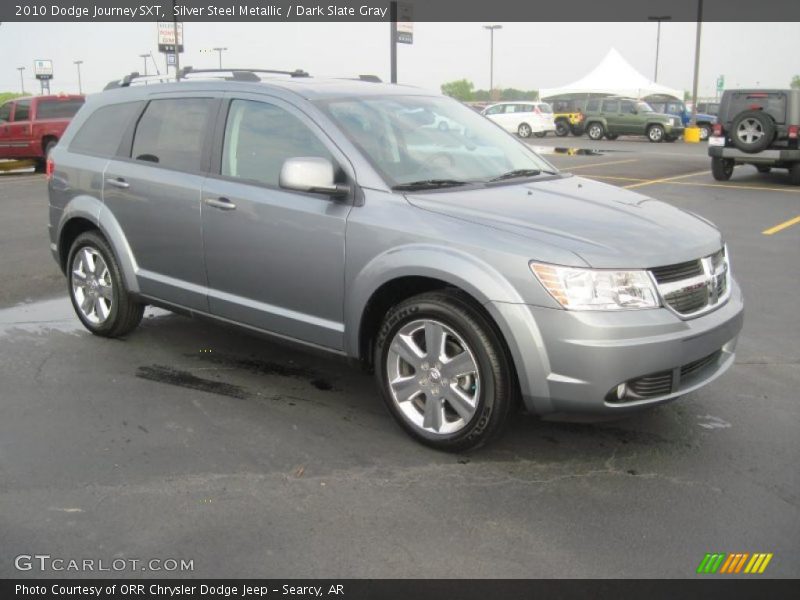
[275, 258]
[5, 121]
[154, 193]
[613, 117]
[18, 132]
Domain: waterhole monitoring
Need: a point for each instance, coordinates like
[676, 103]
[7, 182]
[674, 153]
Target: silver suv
[455, 262]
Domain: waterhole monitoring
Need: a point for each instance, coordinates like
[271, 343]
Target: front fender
[475, 277]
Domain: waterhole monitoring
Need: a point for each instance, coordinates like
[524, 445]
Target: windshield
[434, 140]
[643, 107]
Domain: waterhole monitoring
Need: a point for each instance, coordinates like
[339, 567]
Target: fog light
[621, 389]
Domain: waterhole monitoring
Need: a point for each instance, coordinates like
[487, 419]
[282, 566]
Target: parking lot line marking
[665, 179]
[614, 177]
[782, 226]
[603, 164]
[788, 190]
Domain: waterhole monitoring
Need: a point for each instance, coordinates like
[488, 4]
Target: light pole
[658, 39]
[491, 29]
[78, 64]
[219, 52]
[144, 58]
[21, 81]
[697, 61]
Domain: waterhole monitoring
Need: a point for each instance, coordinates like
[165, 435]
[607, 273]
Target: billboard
[43, 69]
[166, 36]
[405, 23]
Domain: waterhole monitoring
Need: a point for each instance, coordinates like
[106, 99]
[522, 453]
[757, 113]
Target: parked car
[759, 128]
[459, 266]
[568, 115]
[672, 106]
[523, 118]
[709, 108]
[31, 127]
[615, 116]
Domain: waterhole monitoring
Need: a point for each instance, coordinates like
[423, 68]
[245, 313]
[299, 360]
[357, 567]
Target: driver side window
[259, 137]
[5, 112]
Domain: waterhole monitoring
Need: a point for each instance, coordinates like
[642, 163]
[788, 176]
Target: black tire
[595, 131]
[540, 134]
[524, 130]
[763, 168]
[794, 174]
[577, 130]
[612, 136]
[722, 168]
[125, 313]
[562, 128]
[497, 384]
[41, 164]
[756, 122]
[705, 132]
[656, 134]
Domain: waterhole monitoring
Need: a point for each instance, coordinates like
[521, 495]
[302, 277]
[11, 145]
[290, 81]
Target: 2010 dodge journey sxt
[451, 259]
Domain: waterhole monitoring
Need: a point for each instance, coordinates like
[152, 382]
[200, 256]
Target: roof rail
[242, 74]
[131, 77]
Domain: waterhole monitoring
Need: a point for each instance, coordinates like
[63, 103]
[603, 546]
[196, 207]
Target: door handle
[119, 183]
[221, 203]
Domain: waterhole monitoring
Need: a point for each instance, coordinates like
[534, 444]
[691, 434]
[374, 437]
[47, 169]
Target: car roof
[48, 97]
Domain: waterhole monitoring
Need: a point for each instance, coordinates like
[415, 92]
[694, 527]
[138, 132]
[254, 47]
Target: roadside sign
[405, 23]
[166, 36]
[43, 69]
[171, 59]
[720, 83]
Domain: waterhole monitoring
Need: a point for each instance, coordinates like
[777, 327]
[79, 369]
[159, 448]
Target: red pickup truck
[30, 127]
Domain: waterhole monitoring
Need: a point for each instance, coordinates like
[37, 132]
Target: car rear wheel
[524, 130]
[97, 290]
[540, 134]
[721, 168]
[443, 372]
[752, 131]
[794, 174]
[611, 136]
[595, 131]
[562, 128]
[656, 134]
[705, 132]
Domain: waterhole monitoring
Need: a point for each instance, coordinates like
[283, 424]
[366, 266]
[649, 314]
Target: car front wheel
[97, 290]
[443, 372]
[656, 134]
[595, 131]
[524, 130]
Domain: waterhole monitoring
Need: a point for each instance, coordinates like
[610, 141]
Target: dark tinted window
[259, 137]
[58, 109]
[628, 107]
[593, 105]
[102, 133]
[611, 106]
[22, 111]
[171, 133]
[5, 111]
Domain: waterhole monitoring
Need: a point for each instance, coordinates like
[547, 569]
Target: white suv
[523, 118]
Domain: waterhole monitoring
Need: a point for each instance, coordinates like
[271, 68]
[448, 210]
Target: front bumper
[568, 362]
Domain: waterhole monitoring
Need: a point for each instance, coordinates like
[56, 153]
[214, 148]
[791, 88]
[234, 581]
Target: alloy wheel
[750, 131]
[92, 286]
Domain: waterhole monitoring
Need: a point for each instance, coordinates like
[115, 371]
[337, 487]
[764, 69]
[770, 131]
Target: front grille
[677, 272]
[661, 383]
[692, 286]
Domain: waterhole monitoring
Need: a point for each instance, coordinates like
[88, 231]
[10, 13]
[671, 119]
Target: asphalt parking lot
[194, 441]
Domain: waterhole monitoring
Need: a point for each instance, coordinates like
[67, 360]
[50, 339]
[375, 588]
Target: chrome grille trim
[698, 294]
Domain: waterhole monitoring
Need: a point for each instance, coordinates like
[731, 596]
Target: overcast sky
[527, 55]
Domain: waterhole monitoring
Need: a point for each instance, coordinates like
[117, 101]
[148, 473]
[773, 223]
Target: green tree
[795, 84]
[460, 89]
[4, 96]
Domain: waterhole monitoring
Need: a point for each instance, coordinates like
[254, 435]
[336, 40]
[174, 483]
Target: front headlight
[597, 289]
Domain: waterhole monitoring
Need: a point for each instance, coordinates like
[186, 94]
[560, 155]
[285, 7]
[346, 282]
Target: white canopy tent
[614, 75]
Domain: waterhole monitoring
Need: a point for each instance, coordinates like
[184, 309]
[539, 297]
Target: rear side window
[22, 110]
[611, 106]
[171, 133]
[102, 133]
[259, 137]
[58, 109]
[5, 112]
[593, 105]
[546, 108]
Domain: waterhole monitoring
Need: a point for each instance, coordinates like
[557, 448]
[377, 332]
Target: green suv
[615, 116]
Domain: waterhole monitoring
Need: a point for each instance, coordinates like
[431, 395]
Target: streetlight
[219, 51]
[658, 39]
[491, 29]
[21, 81]
[78, 63]
[144, 57]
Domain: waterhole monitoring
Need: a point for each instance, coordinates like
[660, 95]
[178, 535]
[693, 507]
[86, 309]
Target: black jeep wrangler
[759, 128]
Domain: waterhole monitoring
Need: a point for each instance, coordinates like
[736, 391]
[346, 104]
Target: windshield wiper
[518, 173]
[428, 184]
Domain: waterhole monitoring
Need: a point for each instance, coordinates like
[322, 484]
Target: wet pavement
[197, 441]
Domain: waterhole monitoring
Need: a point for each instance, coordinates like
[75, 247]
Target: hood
[606, 226]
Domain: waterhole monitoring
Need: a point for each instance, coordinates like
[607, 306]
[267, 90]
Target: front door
[274, 257]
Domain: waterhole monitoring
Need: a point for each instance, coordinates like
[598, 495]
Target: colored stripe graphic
[721, 562]
[741, 562]
[711, 562]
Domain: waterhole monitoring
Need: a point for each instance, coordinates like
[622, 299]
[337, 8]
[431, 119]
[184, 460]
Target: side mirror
[310, 174]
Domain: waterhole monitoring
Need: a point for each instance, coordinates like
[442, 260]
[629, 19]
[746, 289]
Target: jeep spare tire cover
[752, 131]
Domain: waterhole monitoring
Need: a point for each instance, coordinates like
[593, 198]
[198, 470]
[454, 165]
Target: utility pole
[393, 40]
[78, 64]
[219, 51]
[21, 80]
[658, 40]
[697, 61]
[491, 29]
[177, 44]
